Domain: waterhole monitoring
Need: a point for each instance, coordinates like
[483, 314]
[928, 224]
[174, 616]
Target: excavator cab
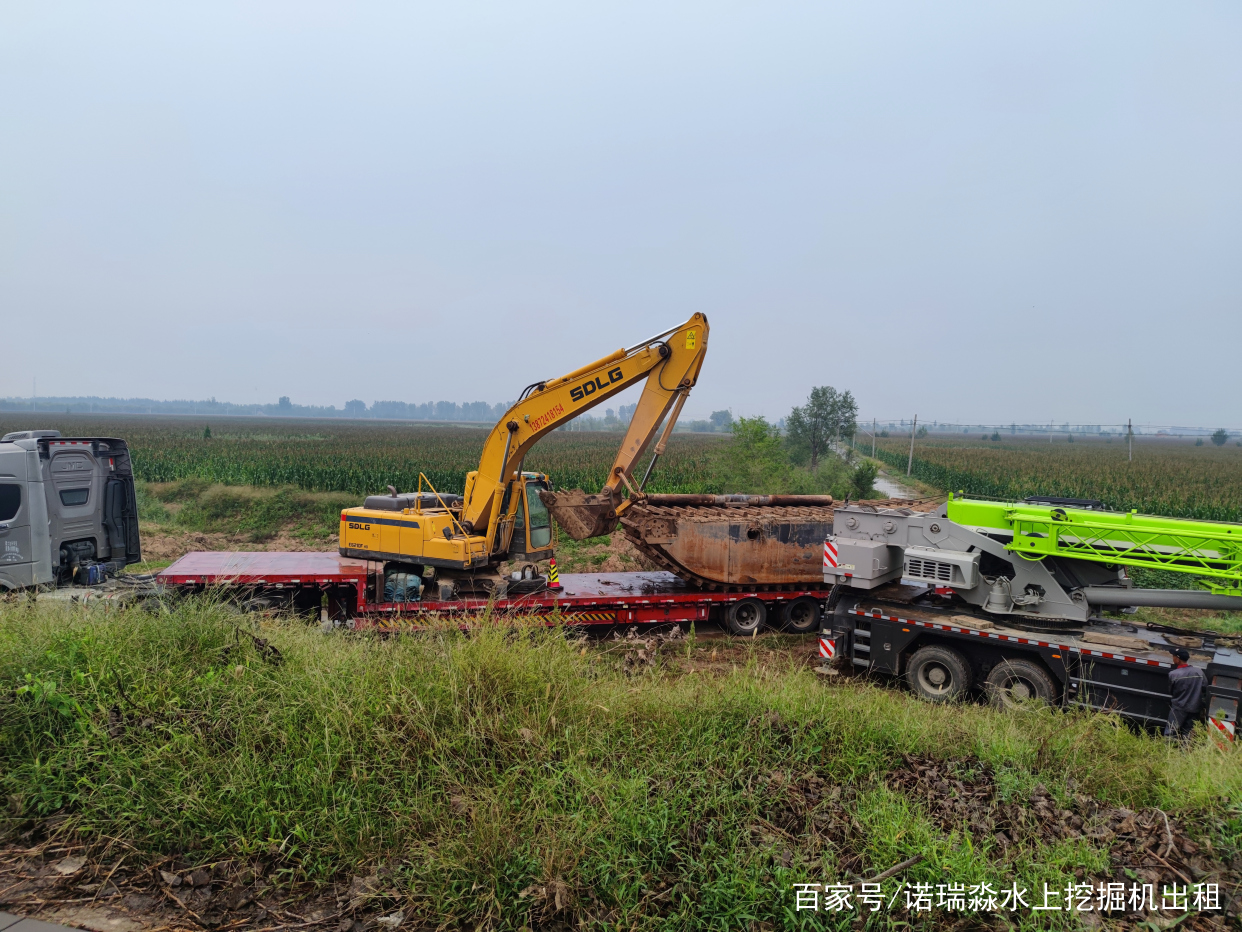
[534, 536]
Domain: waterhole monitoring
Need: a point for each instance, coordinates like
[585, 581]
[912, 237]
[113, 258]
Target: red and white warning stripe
[827, 648]
[1227, 729]
[830, 555]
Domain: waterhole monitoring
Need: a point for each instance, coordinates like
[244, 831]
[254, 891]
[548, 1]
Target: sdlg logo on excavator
[579, 392]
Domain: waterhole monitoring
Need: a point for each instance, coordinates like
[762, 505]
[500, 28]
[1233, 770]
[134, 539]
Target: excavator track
[738, 546]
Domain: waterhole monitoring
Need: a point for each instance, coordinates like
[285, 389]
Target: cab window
[540, 520]
[10, 500]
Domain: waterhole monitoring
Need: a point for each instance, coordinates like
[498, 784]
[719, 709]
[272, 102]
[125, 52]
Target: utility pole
[1130, 436]
[873, 438]
[910, 462]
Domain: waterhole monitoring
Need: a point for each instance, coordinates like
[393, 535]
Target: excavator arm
[669, 362]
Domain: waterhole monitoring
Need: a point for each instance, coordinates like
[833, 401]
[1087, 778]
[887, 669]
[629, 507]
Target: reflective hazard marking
[830, 555]
[1225, 728]
[827, 648]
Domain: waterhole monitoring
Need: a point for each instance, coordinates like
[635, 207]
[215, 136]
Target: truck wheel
[1012, 683]
[745, 617]
[801, 616]
[938, 674]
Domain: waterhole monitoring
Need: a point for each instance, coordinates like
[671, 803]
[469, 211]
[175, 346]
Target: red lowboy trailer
[354, 591]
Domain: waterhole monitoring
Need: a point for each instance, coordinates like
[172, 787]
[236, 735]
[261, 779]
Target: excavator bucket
[581, 515]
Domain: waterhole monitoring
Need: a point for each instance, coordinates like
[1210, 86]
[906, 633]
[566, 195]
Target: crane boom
[1205, 548]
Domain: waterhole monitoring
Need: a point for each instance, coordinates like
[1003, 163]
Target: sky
[981, 212]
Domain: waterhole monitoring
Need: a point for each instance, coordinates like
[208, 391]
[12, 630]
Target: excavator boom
[670, 364]
[499, 500]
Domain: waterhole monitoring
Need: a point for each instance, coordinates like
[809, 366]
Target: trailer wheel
[1013, 683]
[801, 616]
[938, 674]
[745, 617]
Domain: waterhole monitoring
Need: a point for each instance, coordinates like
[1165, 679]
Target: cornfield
[323, 456]
[1167, 477]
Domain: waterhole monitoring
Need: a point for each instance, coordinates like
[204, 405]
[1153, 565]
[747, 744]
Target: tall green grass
[506, 761]
[253, 513]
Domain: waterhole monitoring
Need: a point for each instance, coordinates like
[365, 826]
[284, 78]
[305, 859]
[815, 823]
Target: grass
[251, 513]
[520, 778]
[364, 458]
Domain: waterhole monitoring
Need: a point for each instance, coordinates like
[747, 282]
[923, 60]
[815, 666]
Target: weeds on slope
[515, 777]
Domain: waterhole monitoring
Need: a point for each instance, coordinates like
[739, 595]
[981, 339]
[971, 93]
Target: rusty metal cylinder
[685, 500]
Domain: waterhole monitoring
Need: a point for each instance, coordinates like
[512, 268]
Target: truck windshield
[540, 520]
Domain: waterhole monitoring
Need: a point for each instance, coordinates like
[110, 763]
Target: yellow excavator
[504, 513]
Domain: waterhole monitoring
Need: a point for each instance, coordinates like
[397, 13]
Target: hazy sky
[979, 211]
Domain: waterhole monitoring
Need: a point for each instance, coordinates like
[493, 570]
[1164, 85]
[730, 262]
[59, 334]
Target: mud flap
[581, 515]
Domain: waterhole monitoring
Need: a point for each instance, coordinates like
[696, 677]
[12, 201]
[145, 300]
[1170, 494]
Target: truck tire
[745, 617]
[1013, 683]
[801, 616]
[938, 674]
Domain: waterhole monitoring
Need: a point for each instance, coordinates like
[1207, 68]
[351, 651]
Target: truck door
[75, 490]
[120, 519]
[16, 556]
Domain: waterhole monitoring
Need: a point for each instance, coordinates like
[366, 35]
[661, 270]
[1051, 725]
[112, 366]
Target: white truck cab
[68, 509]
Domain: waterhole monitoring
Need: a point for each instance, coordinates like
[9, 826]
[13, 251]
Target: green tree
[827, 415]
[722, 421]
[755, 460]
[1221, 437]
[862, 479]
[207, 432]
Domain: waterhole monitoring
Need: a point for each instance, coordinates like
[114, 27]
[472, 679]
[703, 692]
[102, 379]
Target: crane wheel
[1015, 684]
[938, 674]
[801, 616]
[745, 617]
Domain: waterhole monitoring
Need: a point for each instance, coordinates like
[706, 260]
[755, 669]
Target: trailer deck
[352, 585]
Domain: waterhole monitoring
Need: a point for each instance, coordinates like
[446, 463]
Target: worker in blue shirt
[1186, 695]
